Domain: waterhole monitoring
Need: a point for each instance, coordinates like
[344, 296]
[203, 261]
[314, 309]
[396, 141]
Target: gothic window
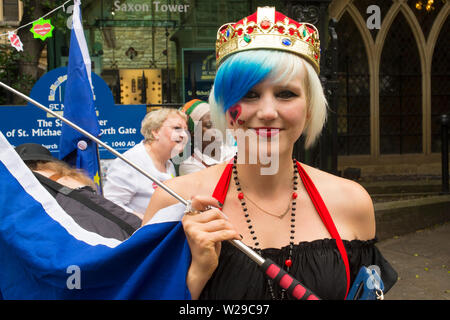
[440, 84]
[362, 6]
[400, 92]
[426, 12]
[354, 93]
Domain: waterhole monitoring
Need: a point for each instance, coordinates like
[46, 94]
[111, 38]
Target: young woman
[318, 226]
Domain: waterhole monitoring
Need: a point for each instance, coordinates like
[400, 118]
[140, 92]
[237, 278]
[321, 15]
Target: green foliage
[58, 18]
[11, 60]
[9, 73]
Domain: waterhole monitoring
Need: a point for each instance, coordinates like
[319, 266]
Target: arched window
[440, 84]
[363, 5]
[400, 92]
[426, 17]
[354, 91]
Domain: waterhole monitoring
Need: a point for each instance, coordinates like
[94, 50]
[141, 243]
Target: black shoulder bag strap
[75, 194]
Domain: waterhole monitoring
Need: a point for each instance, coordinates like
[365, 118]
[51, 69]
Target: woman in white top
[165, 134]
[208, 148]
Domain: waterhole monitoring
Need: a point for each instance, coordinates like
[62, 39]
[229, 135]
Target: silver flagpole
[239, 244]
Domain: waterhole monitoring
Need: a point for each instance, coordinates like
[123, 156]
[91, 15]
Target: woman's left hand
[204, 232]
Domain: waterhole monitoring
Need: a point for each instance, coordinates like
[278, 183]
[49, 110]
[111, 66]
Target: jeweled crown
[269, 29]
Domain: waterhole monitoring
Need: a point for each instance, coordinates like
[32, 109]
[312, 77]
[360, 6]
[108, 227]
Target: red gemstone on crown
[265, 24]
[281, 29]
[250, 30]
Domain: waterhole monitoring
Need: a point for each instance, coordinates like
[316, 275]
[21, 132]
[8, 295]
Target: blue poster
[120, 124]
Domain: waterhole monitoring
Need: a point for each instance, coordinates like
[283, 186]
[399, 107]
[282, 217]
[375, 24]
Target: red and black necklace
[241, 197]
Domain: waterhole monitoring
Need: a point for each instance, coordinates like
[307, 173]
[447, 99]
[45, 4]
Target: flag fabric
[79, 105]
[45, 254]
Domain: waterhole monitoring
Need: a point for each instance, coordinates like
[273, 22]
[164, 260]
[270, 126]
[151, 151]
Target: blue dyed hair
[239, 73]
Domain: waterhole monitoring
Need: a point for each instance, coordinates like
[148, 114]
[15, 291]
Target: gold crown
[269, 29]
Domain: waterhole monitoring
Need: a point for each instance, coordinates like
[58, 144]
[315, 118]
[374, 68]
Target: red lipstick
[267, 131]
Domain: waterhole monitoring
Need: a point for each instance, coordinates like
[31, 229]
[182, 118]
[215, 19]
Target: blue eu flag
[79, 106]
[64, 258]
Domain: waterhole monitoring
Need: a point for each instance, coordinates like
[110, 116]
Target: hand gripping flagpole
[273, 271]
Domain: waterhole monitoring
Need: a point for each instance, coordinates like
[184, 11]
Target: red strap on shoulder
[326, 219]
[220, 192]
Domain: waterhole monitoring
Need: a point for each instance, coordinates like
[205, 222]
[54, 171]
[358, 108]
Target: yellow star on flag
[97, 179]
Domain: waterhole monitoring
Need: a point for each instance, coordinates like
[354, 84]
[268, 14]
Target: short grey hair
[154, 120]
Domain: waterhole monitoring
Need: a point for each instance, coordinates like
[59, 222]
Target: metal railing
[444, 152]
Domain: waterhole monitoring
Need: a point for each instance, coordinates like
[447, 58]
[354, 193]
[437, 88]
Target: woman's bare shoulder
[331, 183]
[346, 200]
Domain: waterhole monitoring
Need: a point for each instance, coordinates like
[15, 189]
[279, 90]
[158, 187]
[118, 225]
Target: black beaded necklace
[241, 197]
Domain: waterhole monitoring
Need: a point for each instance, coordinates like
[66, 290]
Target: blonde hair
[154, 120]
[282, 72]
[61, 169]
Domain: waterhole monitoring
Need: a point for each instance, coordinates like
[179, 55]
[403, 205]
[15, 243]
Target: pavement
[422, 261]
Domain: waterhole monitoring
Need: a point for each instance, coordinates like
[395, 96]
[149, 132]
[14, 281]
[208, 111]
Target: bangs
[243, 70]
[285, 72]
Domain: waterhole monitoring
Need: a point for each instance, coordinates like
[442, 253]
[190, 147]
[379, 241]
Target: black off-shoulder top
[317, 265]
